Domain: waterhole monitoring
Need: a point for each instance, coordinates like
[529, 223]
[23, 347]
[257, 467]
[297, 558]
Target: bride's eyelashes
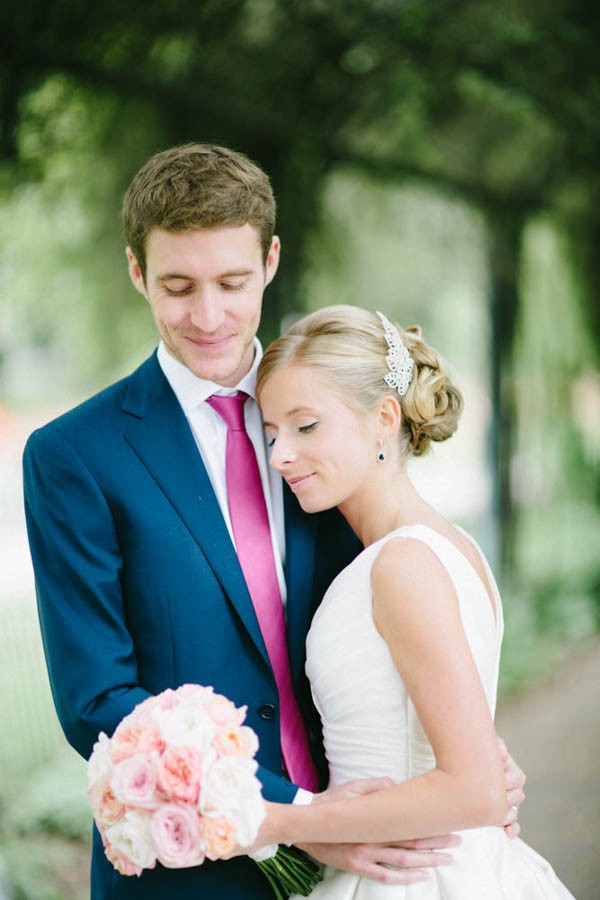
[303, 429]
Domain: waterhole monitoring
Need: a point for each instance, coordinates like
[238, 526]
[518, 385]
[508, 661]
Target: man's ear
[135, 272]
[272, 261]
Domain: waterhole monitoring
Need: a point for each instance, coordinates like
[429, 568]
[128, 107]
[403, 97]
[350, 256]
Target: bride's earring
[381, 454]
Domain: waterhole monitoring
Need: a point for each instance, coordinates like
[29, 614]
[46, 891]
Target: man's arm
[77, 563]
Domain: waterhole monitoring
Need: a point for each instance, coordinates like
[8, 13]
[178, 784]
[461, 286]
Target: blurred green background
[436, 160]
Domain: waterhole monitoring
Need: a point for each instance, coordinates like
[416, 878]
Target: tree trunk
[298, 181]
[505, 238]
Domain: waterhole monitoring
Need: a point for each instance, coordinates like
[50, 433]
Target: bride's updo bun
[432, 405]
[349, 344]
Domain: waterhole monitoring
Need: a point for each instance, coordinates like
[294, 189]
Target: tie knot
[231, 409]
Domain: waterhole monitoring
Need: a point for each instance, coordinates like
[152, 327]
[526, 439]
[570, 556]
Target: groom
[146, 570]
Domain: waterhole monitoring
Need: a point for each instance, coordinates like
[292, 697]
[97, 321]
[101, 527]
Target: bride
[403, 652]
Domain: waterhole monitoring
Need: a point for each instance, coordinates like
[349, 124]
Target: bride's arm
[416, 611]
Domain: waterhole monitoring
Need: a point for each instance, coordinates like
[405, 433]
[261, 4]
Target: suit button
[267, 711]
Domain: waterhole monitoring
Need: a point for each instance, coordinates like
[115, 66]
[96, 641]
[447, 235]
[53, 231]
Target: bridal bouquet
[176, 784]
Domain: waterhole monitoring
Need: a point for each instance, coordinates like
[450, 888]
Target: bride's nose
[282, 453]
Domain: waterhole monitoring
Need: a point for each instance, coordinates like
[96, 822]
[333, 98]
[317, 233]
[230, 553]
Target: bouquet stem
[290, 871]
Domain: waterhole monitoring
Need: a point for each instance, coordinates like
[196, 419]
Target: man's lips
[210, 342]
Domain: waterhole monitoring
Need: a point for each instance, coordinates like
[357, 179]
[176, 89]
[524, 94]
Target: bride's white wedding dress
[370, 728]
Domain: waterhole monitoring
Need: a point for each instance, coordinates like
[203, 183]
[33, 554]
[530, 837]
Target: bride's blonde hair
[349, 344]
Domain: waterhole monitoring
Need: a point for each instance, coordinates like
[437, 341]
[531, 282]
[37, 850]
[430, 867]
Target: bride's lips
[299, 480]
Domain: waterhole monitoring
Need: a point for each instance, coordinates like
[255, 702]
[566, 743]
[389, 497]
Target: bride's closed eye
[306, 429]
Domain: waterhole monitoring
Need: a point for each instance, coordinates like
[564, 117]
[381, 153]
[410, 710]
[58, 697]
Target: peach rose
[180, 773]
[135, 736]
[224, 713]
[105, 806]
[239, 740]
[120, 862]
[219, 837]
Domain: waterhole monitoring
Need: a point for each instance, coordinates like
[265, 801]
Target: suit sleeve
[77, 564]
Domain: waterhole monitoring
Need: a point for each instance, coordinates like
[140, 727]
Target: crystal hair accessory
[400, 362]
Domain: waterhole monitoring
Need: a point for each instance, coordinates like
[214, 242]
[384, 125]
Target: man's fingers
[402, 858]
[368, 785]
[386, 875]
[387, 863]
[511, 816]
[515, 797]
[513, 830]
[439, 842]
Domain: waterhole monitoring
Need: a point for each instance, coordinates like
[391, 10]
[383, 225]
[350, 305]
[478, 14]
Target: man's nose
[207, 312]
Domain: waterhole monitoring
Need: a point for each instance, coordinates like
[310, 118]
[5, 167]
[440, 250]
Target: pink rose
[106, 808]
[240, 740]
[135, 736]
[219, 837]
[177, 836]
[180, 773]
[134, 781]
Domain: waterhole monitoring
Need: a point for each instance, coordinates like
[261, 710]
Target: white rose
[100, 763]
[186, 725]
[231, 788]
[131, 837]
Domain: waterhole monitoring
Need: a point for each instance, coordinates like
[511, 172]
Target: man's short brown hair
[197, 186]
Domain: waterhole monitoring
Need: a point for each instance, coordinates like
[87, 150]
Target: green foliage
[51, 800]
[43, 867]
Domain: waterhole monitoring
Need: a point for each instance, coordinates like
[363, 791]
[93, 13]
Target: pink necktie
[252, 536]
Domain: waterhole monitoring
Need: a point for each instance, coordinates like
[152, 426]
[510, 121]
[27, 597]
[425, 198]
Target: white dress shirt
[210, 433]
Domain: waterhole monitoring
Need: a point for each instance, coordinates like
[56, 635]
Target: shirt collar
[191, 391]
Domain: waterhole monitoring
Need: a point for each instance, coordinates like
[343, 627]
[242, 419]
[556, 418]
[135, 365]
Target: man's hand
[515, 780]
[359, 787]
[395, 863]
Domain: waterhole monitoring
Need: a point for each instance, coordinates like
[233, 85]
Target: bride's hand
[515, 780]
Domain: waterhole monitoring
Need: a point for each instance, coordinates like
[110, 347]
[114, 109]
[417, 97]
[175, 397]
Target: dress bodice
[370, 726]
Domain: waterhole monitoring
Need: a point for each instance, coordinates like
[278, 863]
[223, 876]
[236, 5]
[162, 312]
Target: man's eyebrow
[175, 275]
[234, 273]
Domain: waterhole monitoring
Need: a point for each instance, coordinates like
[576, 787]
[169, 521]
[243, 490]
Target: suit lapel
[300, 537]
[160, 435]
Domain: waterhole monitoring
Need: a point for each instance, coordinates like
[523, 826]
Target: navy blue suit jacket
[139, 589]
